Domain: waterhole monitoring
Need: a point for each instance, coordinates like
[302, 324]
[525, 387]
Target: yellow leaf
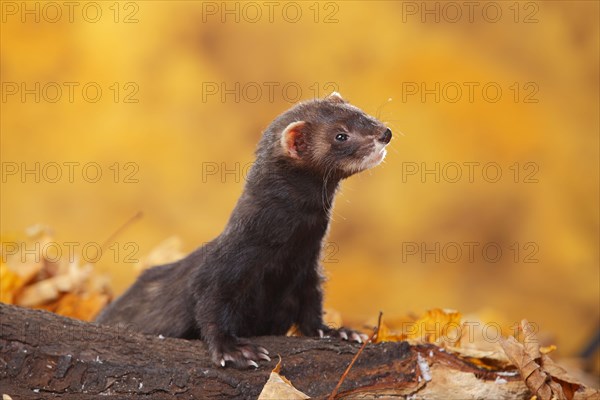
[385, 334]
[437, 326]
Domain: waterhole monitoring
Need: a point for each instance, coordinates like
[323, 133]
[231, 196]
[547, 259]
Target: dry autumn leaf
[543, 377]
[435, 326]
[65, 280]
[278, 387]
[385, 334]
[536, 379]
[488, 359]
[38, 279]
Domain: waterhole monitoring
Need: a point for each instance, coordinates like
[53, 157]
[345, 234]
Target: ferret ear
[335, 97]
[293, 141]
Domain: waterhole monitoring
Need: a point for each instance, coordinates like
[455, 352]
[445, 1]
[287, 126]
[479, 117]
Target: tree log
[43, 356]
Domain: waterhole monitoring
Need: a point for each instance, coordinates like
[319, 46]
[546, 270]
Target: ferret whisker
[380, 108]
[387, 122]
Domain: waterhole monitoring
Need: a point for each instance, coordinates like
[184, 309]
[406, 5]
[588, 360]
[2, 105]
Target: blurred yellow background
[167, 100]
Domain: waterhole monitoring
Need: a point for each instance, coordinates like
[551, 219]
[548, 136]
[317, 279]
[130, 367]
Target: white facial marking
[374, 158]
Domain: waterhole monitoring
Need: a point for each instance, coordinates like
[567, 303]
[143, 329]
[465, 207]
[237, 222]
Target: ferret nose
[386, 137]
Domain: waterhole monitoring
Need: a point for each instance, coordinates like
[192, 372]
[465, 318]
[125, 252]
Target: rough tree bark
[43, 355]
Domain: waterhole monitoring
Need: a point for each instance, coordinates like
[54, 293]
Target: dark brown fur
[262, 274]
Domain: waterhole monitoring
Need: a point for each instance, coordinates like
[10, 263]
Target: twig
[120, 229]
[345, 374]
[376, 335]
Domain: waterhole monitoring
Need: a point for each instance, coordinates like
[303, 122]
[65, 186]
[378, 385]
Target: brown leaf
[532, 345]
[541, 374]
[535, 378]
[63, 286]
[569, 384]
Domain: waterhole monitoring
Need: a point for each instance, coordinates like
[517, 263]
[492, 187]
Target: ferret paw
[343, 333]
[239, 352]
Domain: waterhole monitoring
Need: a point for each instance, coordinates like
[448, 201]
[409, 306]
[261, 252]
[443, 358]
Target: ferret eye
[341, 137]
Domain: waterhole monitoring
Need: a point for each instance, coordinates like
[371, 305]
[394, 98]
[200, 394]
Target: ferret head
[332, 137]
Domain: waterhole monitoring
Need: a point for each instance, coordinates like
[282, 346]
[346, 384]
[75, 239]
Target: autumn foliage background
[172, 54]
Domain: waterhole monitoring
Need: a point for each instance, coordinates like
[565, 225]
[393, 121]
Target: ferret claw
[343, 335]
[356, 337]
[363, 337]
[321, 334]
[239, 352]
[246, 353]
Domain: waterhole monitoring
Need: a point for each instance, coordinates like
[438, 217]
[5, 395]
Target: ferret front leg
[310, 318]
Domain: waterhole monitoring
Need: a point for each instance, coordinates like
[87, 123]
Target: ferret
[262, 274]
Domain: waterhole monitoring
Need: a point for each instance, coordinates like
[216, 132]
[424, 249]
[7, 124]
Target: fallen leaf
[489, 359]
[67, 280]
[279, 387]
[437, 326]
[385, 334]
[84, 306]
[37, 279]
[541, 375]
